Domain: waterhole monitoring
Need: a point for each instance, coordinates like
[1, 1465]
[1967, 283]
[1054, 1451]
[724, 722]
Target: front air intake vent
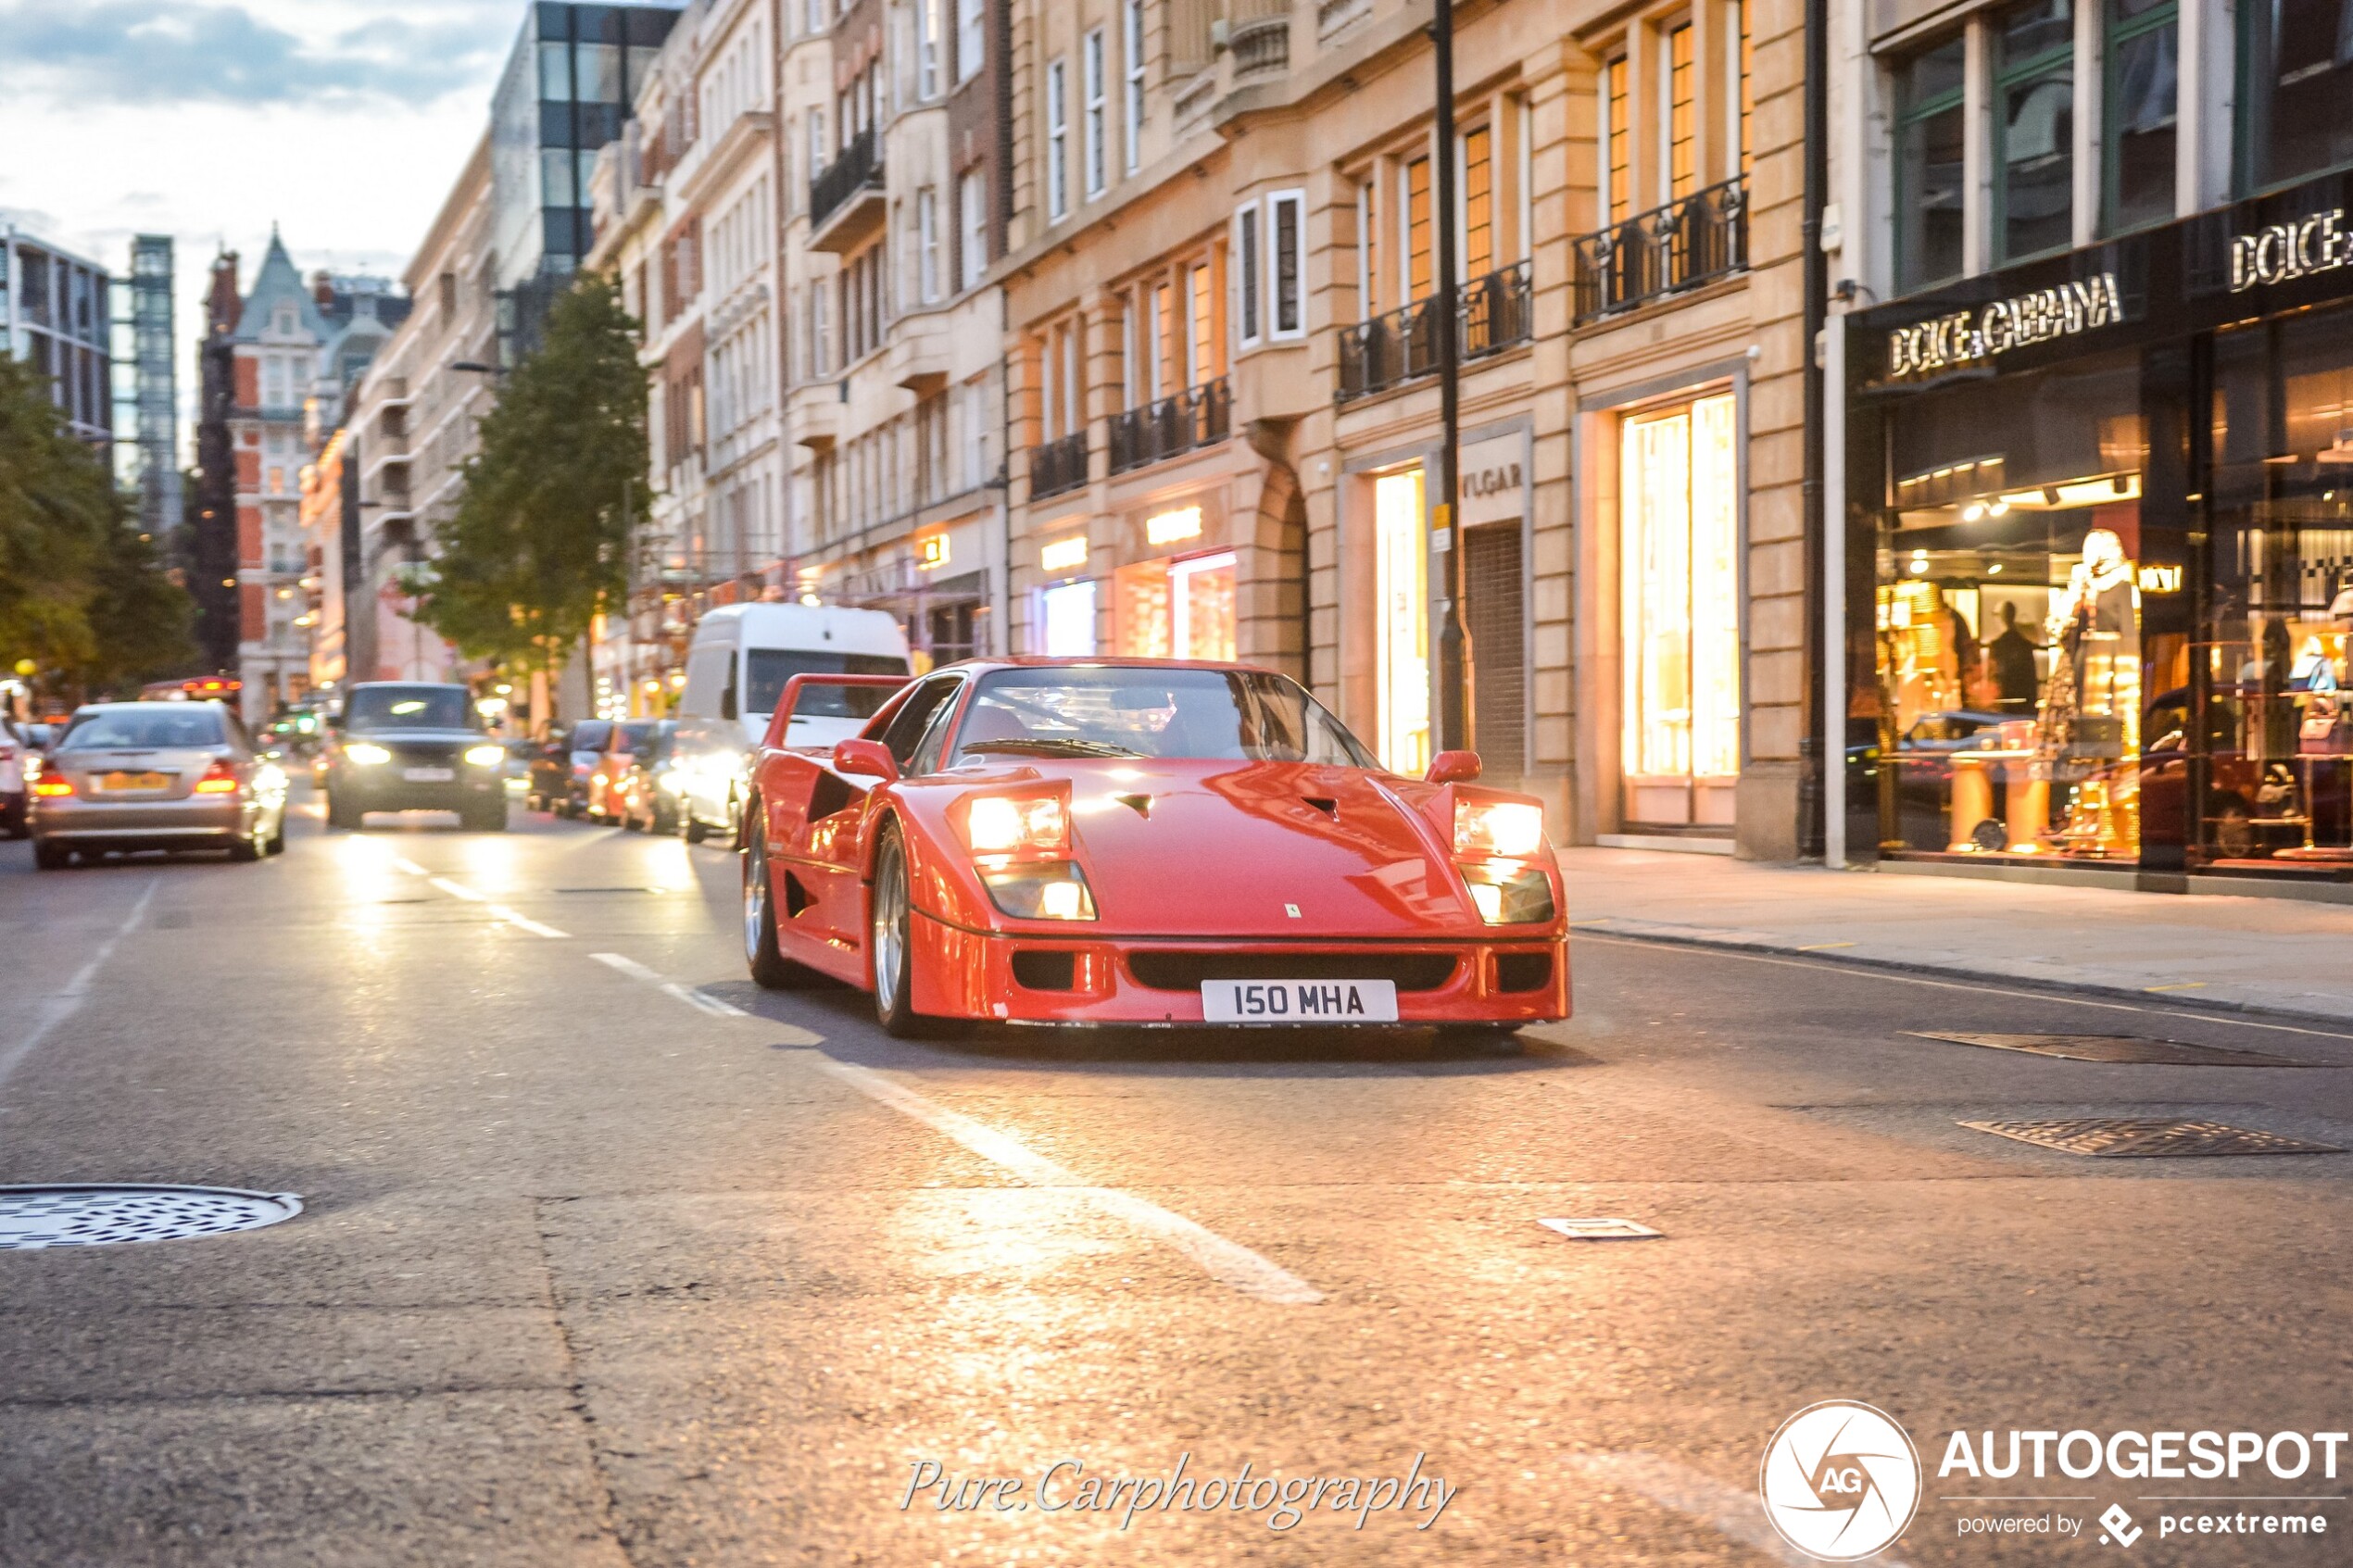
[1165, 970]
[1036, 971]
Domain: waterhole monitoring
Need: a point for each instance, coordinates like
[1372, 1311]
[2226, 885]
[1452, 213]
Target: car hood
[419, 736]
[1263, 849]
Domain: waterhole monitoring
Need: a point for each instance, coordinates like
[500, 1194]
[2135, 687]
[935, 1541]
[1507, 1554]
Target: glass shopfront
[1400, 563]
[2100, 554]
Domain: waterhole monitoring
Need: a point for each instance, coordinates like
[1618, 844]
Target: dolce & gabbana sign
[2278, 252]
[1967, 338]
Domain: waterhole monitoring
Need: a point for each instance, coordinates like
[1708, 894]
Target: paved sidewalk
[2278, 955]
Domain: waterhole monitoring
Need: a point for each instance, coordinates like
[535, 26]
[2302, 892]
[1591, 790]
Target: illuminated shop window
[1402, 573]
[1179, 609]
[1681, 576]
[1069, 619]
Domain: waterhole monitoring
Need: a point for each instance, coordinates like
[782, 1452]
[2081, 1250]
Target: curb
[1666, 935]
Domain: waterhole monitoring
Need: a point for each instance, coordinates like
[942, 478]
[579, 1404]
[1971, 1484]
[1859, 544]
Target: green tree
[81, 593]
[539, 544]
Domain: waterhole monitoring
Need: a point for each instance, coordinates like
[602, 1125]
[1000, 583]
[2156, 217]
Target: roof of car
[1098, 661]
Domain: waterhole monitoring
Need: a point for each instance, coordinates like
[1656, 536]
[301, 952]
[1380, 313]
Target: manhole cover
[2148, 1137]
[101, 1214]
[1599, 1229]
[2114, 1048]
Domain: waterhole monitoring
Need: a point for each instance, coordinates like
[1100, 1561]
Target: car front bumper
[356, 792]
[962, 973]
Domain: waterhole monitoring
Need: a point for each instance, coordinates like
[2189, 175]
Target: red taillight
[53, 789]
[219, 779]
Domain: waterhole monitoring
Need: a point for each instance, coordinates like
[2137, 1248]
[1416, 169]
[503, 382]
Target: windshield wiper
[1049, 745]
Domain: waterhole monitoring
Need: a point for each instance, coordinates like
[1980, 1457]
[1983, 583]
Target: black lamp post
[1454, 727]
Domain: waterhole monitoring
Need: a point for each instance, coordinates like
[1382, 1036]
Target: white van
[736, 669]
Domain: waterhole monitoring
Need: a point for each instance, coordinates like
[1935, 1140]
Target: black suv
[403, 747]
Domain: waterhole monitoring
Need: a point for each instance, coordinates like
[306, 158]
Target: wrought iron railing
[1058, 465]
[1199, 416]
[859, 164]
[1677, 247]
[1492, 314]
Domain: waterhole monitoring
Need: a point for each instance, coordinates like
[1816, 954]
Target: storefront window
[2009, 613]
[1068, 614]
[2296, 77]
[1681, 612]
[1401, 583]
[2278, 735]
[1179, 609]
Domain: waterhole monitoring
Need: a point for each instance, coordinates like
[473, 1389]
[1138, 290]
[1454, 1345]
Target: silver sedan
[156, 775]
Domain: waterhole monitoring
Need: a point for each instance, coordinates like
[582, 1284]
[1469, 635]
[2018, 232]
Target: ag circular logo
[1839, 1481]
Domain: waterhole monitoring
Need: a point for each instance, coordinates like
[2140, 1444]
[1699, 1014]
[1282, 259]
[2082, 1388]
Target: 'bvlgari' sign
[2277, 252]
[1963, 338]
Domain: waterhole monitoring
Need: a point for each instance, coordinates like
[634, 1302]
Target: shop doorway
[1680, 613]
[1401, 561]
[1494, 605]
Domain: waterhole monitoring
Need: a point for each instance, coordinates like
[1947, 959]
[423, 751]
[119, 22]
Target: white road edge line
[1226, 1262]
[1728, 1509]
[456, 890]
[68, 1002]
[692, 997]
[535, 927]
[401, 862]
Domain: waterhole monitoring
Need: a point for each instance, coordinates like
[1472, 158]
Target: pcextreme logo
[1839, 1481]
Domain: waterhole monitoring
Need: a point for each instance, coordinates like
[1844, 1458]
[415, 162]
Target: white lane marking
[1877, 972]
[1729, 1510]
[1228, 1263]
[456, 890]
[695, 998]
[401, 862]
[535, 927]
[68, 1002]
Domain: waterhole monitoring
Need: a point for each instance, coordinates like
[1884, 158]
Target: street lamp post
[1454, 652]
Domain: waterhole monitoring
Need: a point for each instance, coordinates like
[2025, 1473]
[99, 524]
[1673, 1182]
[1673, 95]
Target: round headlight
[485, 755]
[366, 755]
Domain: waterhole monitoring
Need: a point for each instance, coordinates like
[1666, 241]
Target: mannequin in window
[2088, 626]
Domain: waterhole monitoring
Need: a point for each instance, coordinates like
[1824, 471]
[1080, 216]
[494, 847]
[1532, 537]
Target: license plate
[429, 775]
[133, 783]
[1299, 1001]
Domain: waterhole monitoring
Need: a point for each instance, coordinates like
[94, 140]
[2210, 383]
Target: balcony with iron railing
[1058, 465]
[1491, 313]
[1199, 416]
[846, 199]
[1664, 251]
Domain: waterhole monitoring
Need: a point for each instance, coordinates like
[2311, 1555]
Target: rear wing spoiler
[781, 720]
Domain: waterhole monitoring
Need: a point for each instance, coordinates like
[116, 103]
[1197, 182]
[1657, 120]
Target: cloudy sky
[344, 121]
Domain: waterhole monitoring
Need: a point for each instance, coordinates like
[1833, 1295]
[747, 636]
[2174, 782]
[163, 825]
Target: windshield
[408, 708]
[632, 736]
[1142, 710]
[771, 668]
[143, 727]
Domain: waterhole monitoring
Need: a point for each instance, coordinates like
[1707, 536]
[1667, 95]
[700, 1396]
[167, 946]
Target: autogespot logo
[1839, 1481]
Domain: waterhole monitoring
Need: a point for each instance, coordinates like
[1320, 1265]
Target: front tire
[889, 946]
[770, 969]
[244, 851]
[690, 826]
[491, 818]
[342, 817]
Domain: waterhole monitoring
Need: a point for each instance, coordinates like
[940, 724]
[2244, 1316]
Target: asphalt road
[610, 1259]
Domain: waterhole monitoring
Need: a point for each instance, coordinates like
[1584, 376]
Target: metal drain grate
[2118, 1137]
[2114, 1048]
[106, 1214]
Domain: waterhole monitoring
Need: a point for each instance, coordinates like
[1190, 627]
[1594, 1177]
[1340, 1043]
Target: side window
[727, 692]
[935, 737]
[906, 727]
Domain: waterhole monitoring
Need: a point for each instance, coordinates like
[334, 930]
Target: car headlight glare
[485, 755]
[365, 754]
[1007, 825]
[1498, 827]
[1056, 890]
[1508, 892]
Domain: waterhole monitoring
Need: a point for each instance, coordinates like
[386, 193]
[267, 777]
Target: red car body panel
[1194, 861]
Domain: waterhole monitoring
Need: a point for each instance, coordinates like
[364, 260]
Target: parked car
[156, 775]
[648, 791]
[413, 746]
[736, 669]
[559, 772]
[611, 768]
[1065, 841]
[15, 752]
